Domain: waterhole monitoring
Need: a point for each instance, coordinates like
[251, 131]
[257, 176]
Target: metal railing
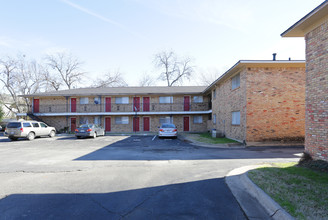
[113, 107]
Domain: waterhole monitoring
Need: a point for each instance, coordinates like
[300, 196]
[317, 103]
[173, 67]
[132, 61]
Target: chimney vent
[274, 56]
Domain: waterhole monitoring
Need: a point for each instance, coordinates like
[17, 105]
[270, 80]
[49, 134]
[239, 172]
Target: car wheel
[30, 136]
[94, 135]
[13, 138]
[52, 134]
[78, 137]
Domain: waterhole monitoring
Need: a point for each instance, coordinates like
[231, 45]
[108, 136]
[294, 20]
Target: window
[198, 119]
[122, 100]
[96, 100]
[36, 125]
[235, 81]
[83, 120]
[214, 118]
[214, 93]
[97, 120]
[198, 99]
[236, 118]
[84, 100]
[27, 125]
[165, 99]
[122, 120]
[167, 119]
[43, 125]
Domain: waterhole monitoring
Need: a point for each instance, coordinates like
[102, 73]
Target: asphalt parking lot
[121, 177]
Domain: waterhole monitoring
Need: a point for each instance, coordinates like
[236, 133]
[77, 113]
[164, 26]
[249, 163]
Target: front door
[146, 103]
[135, 124]
[136, 104]
[108, 105]
[186, 103]
[186, 123]
[107, 124]
[146, 123]
[73, 105]
[36, 105]
[73, 124]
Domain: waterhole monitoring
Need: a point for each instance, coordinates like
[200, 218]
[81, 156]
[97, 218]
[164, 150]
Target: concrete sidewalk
[254, 201]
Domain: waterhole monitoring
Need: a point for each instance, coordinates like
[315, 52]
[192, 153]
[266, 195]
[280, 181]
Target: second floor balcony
[123, 108]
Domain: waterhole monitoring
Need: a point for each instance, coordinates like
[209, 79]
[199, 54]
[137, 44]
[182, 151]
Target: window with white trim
[214, 118]
[166, 119]
[198, 119]
[122, 100]
[165, 99]
[97, 120]
[198, 99]
[84, 100]
[235, 81]
[124, 120]
[235, 118]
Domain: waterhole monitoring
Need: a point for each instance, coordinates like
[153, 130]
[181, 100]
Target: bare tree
[64, 69]
[205, 78]
[147, 80]
[19, 77]
[110, 80]
[174, 70]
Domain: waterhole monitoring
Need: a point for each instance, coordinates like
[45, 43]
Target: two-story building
[314, 27]
[124, 109]
[259, 101]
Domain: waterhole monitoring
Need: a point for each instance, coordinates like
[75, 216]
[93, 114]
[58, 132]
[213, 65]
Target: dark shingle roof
[151, 90]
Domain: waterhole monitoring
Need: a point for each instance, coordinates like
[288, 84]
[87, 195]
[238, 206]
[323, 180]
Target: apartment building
[260, 101]
[124, 109]
[314, 27]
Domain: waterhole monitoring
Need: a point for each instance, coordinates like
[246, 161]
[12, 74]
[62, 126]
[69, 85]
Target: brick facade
[316, 139]
[275, 104]
[270, 99]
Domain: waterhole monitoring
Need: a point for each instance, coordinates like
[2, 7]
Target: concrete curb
[254, 201]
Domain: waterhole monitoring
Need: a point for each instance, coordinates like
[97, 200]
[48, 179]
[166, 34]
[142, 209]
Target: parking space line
[154, 138]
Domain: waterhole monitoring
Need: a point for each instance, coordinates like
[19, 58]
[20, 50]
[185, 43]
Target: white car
[168, 130]
[28, 129]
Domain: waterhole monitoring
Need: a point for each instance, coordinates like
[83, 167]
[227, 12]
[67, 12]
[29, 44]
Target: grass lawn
[300, 191]
[207, 138]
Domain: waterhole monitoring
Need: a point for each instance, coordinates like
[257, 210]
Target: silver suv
[28, 129]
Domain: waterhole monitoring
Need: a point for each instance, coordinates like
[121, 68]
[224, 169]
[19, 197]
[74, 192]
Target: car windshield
[168, 126]
[85, 126]
[14, 125]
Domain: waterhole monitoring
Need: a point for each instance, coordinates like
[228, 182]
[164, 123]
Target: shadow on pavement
[204, 199]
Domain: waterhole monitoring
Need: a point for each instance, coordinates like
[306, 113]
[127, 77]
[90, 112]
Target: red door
[73, 124]
[136, 104]
[108, 105]
[146, 104]
[36, 105]
[73, 105]
[135, 123]
[187, 103]
[185, 123]
[146, 123]
[107, 124]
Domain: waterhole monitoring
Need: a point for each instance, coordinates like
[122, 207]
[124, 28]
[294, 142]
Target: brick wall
[226, 101]
[316, 139]
[275, 104]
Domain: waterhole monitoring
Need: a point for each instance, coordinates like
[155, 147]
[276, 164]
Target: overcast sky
[125, 34]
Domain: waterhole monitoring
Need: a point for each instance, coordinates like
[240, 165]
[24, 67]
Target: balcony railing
[152, 107]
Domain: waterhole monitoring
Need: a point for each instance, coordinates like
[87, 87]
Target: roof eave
[300, 28]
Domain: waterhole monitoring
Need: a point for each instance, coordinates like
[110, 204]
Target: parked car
[168, 130]
[28, 129]
[89, 130]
